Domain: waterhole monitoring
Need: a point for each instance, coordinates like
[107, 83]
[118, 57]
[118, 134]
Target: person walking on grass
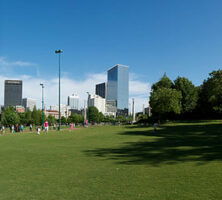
[3, 129]
[46, 126]
[30, 127]
[12, 128]
[38, 130]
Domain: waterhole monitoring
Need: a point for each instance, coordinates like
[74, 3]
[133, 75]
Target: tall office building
[118, 87]
[13, 93]
[73, 102]
[28, 103]
[101, 90]
[98, 102]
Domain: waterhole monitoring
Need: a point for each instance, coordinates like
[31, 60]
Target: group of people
[16, 128]
[45, 127]
[20, 128]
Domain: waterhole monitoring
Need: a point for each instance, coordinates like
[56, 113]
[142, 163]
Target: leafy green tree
[10, 116]
[110, 119]
[75, 118]
[22, 117]
[165, 101]
[63, 120]
[211, 94]
[164, 82]
[100, 117]
[189, 94]
[36, 116]
[93, 114]
[28, 116]
[51, 119]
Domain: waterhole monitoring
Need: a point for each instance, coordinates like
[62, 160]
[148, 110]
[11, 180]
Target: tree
[93, 114]
[28, 117]
[36, 116]
[51, 119]
[189, 94]
[22, 117]
[75, 118]
[9, 116]
[211, 95]
[165, 101]
[63, 120]
[101, 117]
[164, 82]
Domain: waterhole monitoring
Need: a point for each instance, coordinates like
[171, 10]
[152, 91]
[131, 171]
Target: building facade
[118, 87]
[54, 113]
[98, 102]
[101, 90]
[64, 110]
[20, 109]
[29, 104]
[13, 93]
[111, 108]
[73, 102]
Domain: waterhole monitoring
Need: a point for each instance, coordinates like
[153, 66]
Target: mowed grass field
[180, 161]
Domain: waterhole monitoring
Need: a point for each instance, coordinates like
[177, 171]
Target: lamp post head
[42, 85]
[59, 51]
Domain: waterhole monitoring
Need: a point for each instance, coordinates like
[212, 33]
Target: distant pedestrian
[17, 128]
[46, 126]
[12, 128]
[3, 129]
[21, 128]
[30, 127]
[155, 125]
[38, 130]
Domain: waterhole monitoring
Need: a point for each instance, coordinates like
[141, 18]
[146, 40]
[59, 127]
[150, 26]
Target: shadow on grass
[170, 144]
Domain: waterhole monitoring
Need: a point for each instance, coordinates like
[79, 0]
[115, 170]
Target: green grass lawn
[179, 161]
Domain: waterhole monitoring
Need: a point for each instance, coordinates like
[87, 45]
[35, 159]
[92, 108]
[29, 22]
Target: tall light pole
[59, 51]
[85, 107]
[42, 85]
[133, 110]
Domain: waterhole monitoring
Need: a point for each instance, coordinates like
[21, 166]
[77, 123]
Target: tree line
[9, 116]
[181, 99]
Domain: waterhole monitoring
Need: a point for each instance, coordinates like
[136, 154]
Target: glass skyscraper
[118, 87]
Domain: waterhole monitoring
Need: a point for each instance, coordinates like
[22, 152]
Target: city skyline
[69, 86]
[163, 36]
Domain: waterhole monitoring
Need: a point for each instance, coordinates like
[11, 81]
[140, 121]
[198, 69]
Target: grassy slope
[180, 161]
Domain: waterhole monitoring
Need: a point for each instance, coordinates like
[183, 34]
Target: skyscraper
[73, 101]
[118, 87]
[101, 90]
[13, 93]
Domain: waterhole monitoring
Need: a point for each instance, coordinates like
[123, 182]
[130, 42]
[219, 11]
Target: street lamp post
[133, 110]
[59, 51]
[42, 85]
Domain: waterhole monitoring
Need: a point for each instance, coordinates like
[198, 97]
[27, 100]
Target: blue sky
[181, 38]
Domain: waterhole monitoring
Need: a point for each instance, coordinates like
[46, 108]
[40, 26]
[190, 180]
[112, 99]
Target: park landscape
[171, 154]
[177, 161]
[75, 125]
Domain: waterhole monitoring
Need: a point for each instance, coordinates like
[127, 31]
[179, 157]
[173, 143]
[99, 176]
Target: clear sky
[179, 37]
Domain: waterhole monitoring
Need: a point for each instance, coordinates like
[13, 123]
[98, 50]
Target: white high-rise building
[98, 102]
[29, 103]
[73, 101]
